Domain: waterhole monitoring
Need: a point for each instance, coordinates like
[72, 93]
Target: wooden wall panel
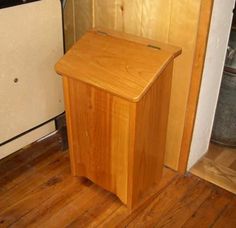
[156, 19]
[105, 13]
[171, 21]
[120, 15]
[129, 16]
[182, 32]
[83, 17]
[78, 18]
[69, 25]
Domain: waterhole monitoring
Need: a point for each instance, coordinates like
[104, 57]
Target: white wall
[212, 75]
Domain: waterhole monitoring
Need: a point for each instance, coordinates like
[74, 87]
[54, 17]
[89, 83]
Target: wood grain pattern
[78, 19]
[216, 173]
[128, 16]
[100, 136]
[69, 25]
[228, 216]
[105, 145]
[209, 210]
[156, 19]
[173, 50]
[119, 66]
[83, 17]
[150, 138]
[104, 12]
[59, 200]
[182, 32]
[172, 209]
[217, 166]
[71, 134]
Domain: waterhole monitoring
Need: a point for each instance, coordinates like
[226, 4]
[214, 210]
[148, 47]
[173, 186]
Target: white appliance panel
[31, 42]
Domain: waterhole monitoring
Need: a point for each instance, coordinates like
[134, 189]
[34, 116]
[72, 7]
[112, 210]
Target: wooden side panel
[99, 138]
[83, 17]
[70, 130]
[150, 138]
[174, 22]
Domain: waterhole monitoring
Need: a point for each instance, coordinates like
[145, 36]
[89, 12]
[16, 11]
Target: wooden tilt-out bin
[117, 91]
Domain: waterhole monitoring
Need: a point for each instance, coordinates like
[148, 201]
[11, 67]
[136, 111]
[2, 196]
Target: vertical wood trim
[74, 23]
[132, 128]
[199, 57]
[183, 31]
[93, 13]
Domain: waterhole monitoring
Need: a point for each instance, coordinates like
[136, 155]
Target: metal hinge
[152, 46]
[102, 33]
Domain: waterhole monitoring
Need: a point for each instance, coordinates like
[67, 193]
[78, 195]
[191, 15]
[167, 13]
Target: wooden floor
[218, 166]
[36, 190]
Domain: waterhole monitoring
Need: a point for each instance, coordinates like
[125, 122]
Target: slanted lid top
[119, 66]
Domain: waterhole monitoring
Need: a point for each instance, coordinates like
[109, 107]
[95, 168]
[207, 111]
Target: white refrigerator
[31, 96]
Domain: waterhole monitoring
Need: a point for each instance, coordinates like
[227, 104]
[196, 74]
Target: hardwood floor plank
[115, 218]
[122, 215]
[214, 151]
[216, 173]
[19, 159]
[16, 177]
[28, 186]
[228, 216]
[233, 165]
[33, 199]
[62, 195]
[209, 211]
[25, 162]
[218, 166]
[164, 202]
[102, 204]
[180, 212]
[88, 198]
[42, 193]
[226, 157]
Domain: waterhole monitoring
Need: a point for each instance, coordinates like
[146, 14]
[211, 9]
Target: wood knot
[53, 181]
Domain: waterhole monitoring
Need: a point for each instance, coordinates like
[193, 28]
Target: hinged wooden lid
[120, 66]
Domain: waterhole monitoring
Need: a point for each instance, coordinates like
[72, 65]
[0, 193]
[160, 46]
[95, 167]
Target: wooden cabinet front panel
[100, 135]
